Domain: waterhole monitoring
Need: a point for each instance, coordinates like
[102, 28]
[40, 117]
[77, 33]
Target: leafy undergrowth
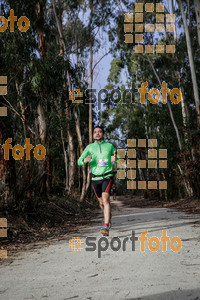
[139, 201]
[187, 205]
[57, 218]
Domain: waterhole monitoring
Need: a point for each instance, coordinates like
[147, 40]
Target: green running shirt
[101, 158]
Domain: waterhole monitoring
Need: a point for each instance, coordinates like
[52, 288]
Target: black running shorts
[102, 186]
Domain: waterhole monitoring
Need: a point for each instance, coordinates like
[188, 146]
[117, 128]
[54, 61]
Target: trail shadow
[151, 220]
[149, 228]
[173, 295]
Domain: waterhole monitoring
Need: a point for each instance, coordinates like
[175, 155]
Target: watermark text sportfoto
[18, 151]
[153, 243]
[104, 96]
[23, 23]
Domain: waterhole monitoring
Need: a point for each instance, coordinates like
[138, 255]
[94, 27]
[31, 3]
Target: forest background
[66, 43]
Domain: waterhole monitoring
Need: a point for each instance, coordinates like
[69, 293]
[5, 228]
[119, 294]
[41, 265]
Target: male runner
[100, 155]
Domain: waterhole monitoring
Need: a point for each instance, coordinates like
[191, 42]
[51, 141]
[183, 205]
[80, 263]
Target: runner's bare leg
[107, 209]
[101, 204]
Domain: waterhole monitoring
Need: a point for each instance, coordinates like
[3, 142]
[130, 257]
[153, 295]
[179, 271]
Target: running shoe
[105, 230]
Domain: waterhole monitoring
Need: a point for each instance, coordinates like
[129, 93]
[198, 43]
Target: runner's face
[98, 134]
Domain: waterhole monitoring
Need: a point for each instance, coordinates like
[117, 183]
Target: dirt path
[58, 273]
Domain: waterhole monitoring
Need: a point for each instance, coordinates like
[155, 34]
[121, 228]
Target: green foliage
[38, 75]
[133, 120]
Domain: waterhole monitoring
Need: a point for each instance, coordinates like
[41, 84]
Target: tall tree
[197, 11]
[72, 157]
[191, 61]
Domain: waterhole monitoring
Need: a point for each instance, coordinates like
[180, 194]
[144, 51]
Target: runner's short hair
[100, 128]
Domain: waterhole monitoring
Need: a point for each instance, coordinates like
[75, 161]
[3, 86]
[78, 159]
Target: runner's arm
[115, 151]
[83, 156]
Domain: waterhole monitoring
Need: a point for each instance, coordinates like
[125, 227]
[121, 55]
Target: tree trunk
[80, 142]
[42, 128]
[79, 137]
[40, 20]
[90, 86]
[8, 190]
[197, 11]
[43, 121]
[189, 18]
[175, 33]
[188, 189]
[65, 160]
[191, 61]
[59, 112]
[168, 105]
[91, 70]
[72, 156]
[29, 204]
